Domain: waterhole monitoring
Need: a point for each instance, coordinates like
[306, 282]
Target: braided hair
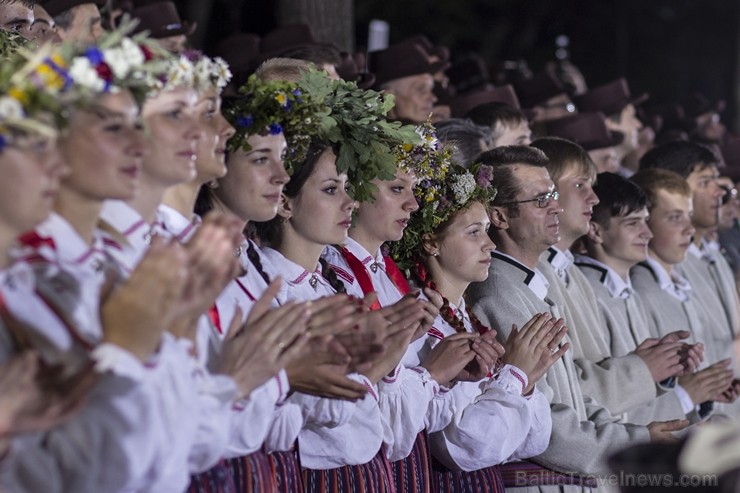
[328, 273]
[254, 258]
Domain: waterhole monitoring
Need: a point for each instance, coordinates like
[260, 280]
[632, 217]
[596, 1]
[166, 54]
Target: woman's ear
[429, 244]
[595, 232]
[499, 217]
[285, 207]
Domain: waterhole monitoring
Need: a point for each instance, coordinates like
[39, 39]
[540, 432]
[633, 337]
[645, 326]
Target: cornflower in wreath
[439, 198]
[272, 108]
[357, 124]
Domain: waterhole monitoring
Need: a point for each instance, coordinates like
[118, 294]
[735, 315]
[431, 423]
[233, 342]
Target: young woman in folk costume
[447, 250]
[118, 443]
[340, 441]
[406, 393]
[264, 115]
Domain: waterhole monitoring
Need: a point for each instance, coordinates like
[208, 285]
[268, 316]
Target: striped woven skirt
[215, 480]
[252, 473]
[286, 471]
[414, 473]
[486, 480]
[373, 477]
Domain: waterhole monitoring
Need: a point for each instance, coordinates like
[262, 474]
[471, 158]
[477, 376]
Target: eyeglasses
[540, 202]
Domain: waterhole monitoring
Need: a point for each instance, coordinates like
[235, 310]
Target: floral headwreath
[26, 112]
[426, 159]
[438, 198]
[191, 69]
[357, 125]
[272, 108]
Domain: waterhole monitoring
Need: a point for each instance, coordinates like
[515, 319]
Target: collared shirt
[388, 293]
[535, 281]
[673, 284]
[129, 224]
[617, 287]
[561, 261]
[171, 223]
[298, 283]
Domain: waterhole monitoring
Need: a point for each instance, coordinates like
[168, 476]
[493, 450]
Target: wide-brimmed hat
[285, 38]
[161, 19]
[352, 68]
[239, 50]
[401, 60]
[698, 104]
[56, 7]
[466, 102]
[585, 129]
[468, 73]
[441, 52]
[538, 89]
[609, 99]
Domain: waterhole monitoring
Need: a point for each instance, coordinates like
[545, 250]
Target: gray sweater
[584, 433]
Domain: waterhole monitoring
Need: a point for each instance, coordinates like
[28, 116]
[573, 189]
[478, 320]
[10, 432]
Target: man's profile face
[16, 17]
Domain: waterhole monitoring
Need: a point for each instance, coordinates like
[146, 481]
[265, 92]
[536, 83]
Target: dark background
[668, 48]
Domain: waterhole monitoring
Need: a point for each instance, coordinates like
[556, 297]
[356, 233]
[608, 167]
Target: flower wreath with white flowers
[439, 197]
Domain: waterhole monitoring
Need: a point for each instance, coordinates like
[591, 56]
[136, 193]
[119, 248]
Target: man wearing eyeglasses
[525, 222]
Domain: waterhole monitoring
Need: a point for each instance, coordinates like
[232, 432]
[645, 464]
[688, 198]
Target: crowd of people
[374, 273]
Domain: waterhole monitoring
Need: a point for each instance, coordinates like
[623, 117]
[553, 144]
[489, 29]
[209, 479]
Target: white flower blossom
[10, 108]
[84, 74]
[180, 73]
[118, 61]
[463, 186]
[222, 72]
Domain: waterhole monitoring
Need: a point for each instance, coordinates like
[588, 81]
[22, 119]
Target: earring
[435, 254]
[213, 184]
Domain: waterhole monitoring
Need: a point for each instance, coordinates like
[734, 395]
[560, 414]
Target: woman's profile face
[210, 160]
[321, 213]
[104, 147]
[253, 185]
[173, 132]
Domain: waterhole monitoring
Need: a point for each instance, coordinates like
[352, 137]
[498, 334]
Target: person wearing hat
[44, 29]
[164, 24]
[17, 16]
[405, 71]
[78, 21]
[545, 93]
[589, 131]
[618, 105]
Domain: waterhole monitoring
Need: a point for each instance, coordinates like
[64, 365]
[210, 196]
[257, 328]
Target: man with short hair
[618, 382]
[524, 224]
[78, 21]
[617, 241]
[670, 299]
[17, 16]
[508, 125]
[705, 269]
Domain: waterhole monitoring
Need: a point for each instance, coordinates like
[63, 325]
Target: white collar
[617, 287]
[69, 246]
[535, 281]
[294, 274]
[361, 253]
[174, 224]
[124, 218]
[561, 261]
[673, 283]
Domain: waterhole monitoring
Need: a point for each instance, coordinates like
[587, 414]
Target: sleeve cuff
[687, 405]
[511, 379]
[111, 358]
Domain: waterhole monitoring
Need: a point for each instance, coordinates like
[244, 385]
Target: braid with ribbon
[254, 258]
[331, 276]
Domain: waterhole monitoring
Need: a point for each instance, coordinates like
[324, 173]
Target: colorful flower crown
[428, 158]
[273, 108]
[357, 125]
[438, 198]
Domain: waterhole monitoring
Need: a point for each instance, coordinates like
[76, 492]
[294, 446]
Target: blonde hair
[287, 69]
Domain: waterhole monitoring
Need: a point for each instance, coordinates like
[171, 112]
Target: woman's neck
[372, 245]
[147, 200]
[220, 206]
[450, 288]
[182, 197]
[81, 213]
[296, 248]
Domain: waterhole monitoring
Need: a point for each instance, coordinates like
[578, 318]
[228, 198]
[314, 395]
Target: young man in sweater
[617, 240]
[619, 382]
